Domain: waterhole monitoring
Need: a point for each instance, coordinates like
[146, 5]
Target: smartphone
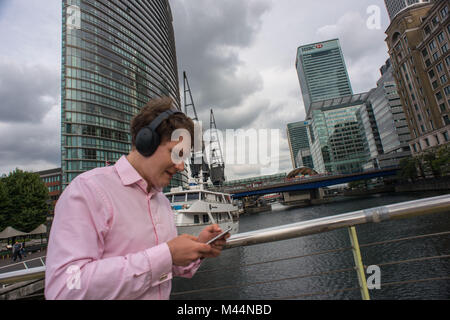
[219, 236]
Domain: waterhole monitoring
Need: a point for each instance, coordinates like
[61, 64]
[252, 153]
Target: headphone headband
[148, 140]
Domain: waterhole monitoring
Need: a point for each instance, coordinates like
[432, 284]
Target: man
[113, 234]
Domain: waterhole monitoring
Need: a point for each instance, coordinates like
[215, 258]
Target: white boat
[196, 208]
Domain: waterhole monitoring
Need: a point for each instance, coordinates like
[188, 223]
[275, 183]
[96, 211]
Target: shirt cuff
[160, 261]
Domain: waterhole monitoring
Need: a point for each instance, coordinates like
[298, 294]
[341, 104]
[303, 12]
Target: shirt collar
[128, 175]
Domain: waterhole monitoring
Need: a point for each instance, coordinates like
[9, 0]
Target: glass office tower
[116, 56]
[339, 143]
[298, 139]
[322, 72]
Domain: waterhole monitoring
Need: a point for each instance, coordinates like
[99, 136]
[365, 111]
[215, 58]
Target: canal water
[263, 272]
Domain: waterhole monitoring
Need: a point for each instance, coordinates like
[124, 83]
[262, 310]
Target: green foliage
[408, 169]
[24, 207]
[432, 163]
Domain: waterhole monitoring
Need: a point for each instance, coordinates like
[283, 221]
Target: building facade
[322, 72]
[418, 39]
[116, 56]
[298, 138]
[338, 140]
[390, 118]
[395, 6]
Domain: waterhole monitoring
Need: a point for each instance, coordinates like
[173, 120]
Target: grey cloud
[26, 92]
[208, 36]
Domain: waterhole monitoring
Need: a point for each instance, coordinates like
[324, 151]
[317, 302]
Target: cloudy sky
[239, 56]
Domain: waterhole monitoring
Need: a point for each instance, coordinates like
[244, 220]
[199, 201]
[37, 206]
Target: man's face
[162, 165]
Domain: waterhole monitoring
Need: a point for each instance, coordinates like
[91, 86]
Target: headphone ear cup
[144, 141]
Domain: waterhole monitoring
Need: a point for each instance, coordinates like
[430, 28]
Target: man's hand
[217, 246]
[186, 249]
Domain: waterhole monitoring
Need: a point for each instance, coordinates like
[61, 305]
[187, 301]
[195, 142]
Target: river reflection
[290, 269]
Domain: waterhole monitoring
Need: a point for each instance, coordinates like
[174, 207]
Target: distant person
[114, 233]
[16, 251]
[23, 250]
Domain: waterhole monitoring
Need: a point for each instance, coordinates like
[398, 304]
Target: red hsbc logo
[319, 46]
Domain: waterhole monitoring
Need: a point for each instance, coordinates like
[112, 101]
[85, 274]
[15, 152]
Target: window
[442, 107]
[439, 96]
[427, 30]
[432, 45]
[205, 218]
[179, 198]
[444, 13]
[444, 48]
[436, 56]
[446, 137]
[446, 120]
[427, 142]
[431, 74]
[424, 52]
[443, 79]
[439, 67]
[435, 84]
[441, 37]
[428, 62]
[196, 219]
[192, 196]
[435, 21]
[447, 91]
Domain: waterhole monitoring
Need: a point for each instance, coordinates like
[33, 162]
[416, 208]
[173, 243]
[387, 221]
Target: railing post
[358, 263]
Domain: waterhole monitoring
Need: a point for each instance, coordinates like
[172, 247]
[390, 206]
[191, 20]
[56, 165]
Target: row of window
[91, 154]
[104, 111]
[99, 121]
[101, 100]
[72, 141]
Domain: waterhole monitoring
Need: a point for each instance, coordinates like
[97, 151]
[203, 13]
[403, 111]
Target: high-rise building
[390, 119]
[418, 41]
[298, 139]
[116, 56]
[338, 140]
[322, 72]
[396, 6]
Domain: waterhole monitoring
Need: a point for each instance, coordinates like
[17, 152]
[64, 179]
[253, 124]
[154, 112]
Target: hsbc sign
[314, 47]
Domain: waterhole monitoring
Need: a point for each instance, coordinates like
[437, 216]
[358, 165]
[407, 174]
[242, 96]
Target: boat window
[196, 219]
[203, 196]
[220, 217]
[228, 199]
[219, 198]
[210, 197]
[192, 196]
[179, 198]
[170, 198]
[205, 218]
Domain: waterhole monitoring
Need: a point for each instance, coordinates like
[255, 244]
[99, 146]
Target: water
[241, 273]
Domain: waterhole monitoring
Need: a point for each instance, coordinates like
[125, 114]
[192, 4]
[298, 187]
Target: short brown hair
[167, 127]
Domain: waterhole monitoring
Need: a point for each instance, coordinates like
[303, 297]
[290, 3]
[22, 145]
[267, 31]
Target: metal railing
[440, 204]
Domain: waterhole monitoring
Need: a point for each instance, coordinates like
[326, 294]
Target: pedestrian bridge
[305, 183]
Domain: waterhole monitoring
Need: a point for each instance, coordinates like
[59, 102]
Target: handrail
[378, 214]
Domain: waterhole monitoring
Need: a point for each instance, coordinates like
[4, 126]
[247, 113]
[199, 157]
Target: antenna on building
[217, 165]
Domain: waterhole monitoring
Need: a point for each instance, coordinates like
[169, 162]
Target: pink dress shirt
[109, 239]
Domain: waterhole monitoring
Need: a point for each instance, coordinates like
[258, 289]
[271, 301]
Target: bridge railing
[402, 210]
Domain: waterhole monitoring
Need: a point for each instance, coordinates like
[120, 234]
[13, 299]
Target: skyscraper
[298, 139]
[322, 72]
[395, 6]
[116, 56]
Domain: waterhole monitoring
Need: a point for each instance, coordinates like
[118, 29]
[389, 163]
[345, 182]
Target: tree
[28, 197]
[408, 169]
[5, 205]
